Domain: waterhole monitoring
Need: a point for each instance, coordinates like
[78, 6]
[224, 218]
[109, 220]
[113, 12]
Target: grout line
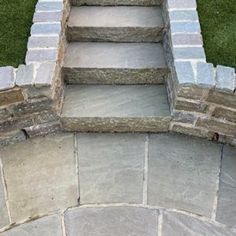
[63, 224]
[215, 203]
[5, 191]
[77, 164]
[145, 171]
[160, 223]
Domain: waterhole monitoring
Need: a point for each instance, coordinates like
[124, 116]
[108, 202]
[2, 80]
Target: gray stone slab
[46, 226]
[25, 75]
[122, 221]
[111, 168]
[226, 211]
[115, 24]
[183, 173]
[115, 55]
[205, 74]
[225, 78]
[40, 176]
[6, 77]
[176, 224]
[4, 220]
[115, 63]
[117, 2]
[116, 108]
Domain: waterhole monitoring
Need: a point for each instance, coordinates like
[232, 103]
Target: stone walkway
[117, 184]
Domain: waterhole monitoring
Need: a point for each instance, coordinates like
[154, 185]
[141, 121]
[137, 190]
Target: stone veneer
[202, 98]
[30, 96]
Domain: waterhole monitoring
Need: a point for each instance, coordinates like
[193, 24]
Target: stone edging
[30, 95]
[202, 98]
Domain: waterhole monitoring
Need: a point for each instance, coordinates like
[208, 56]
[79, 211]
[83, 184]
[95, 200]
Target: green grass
[15, 22]
[218, 24]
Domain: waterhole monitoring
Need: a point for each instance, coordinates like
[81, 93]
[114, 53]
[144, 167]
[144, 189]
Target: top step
[116, 2]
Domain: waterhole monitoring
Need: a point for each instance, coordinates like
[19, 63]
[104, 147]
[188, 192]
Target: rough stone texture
[50, 16]
[225, 78]
[177, 175]
[6, 77]
[40, 55]
[11, 96]
[176, 224]
[40, 176]
[25, 75]
[116, 2]
[111, 168]
[122, 221]
[120, 61]
[11, 137]
[43, 42]
[115, 108]
[190, 105]
[226, 211]
[115, 24]
[205, 74]
[223, 112]
[4, 220]
[217, 126]
[46, 226]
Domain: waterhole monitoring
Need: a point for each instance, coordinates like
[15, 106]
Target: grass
[15, 22]
[218, 24]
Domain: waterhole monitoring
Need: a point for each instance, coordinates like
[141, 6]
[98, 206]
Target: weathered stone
[6, 77]
[4, 114]
[183, 117]
[228, 100]
[190, 105]
[43, 129]
[45, 74]
[187, 39]
[217, 126]
[177, 175]
[224, 113]
[11, 137]
[189, 53]
[43, 42]
[115, 24]
[225, 78]
[33, 92]
[116, 2]
[184, 72]
[46, 29]
[49, 6]
[25, 75]
[176, 224]
[205, 74]
[4, 220]
[11, 96]
[30, 107]
[226, 211]
[111, 168]
[50, 16]
[87, 108]
[46, 226]
[121, 62]
[192, 92]
[120, 221]
[40, 55]
[40, 176]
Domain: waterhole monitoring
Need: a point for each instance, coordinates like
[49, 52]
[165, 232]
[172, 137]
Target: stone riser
[114, 76]
[123, 34]
[116, 2]
[119, 125]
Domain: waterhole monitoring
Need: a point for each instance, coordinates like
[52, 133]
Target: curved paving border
[203, 98]
[30, 96]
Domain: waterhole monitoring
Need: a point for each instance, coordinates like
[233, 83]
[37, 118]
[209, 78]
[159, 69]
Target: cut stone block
[183, 173]
[46, 226]
[116, 2]
[111, 168]
[116, 108]
[40, 176]
[176, 224]
[6, 77]
[120, 221]
[120, 63]
[11, 96]
[115, 24]
[226, 212]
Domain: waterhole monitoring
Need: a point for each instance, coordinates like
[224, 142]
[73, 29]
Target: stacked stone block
[30, 95]
[202, 97]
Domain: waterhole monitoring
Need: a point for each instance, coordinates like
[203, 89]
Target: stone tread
[115, 108]
[115, 55]
[115, 17]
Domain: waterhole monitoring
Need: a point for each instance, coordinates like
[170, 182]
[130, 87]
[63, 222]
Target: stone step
[116, 2]
[115, 108]
[115, 24]
[115, 63]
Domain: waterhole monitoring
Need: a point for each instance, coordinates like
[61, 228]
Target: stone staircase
[115, 68]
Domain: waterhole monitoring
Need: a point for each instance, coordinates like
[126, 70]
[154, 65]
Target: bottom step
[112, 108]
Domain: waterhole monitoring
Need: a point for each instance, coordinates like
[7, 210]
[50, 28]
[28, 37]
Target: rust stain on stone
[11, 96]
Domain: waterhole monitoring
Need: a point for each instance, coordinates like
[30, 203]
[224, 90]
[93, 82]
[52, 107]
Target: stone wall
[202, 97]
[30, 95]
